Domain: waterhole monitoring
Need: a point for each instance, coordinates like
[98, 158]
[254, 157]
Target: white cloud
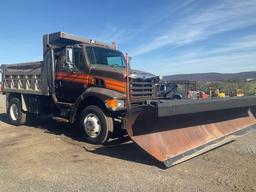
[122, 34]
[226, 16]
[243, 44]
[236, 56]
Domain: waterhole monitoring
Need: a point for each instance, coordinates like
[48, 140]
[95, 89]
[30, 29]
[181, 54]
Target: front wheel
[95, 125]
[15, 114]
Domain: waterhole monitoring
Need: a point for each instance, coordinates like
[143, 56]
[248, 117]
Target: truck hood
[120, 73]
[136, 74]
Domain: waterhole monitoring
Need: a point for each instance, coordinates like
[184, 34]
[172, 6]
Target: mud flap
[176, 138]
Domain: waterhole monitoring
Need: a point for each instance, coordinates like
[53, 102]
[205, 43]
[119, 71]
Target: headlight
[115, 104]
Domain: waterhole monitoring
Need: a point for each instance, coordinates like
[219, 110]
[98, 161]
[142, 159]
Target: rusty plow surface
[177, 138]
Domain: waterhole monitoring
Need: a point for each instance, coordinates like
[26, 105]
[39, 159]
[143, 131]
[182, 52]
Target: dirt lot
[48, 157]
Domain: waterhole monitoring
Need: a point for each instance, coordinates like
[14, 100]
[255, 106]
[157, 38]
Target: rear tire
[96, 127]
[15, 114]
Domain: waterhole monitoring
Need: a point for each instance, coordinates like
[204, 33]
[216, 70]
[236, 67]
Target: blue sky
[163, 37]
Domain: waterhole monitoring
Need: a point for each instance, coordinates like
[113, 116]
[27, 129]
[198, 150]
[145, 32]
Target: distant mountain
[213, 76]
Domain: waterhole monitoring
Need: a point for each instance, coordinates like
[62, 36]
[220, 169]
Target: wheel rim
[92, 125]
[14, 113]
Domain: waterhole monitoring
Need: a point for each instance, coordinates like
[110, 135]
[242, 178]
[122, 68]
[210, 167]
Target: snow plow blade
[175, 131]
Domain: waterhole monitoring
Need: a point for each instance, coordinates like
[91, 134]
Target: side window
[79, 60]
[91, 55]
[78, 64]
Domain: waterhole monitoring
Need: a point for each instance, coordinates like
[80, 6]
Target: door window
[79, 60]
[78, 65]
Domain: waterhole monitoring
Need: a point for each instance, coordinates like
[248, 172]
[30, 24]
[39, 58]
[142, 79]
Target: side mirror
[69, 55]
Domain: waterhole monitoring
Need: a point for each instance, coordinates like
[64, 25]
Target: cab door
[71, 78]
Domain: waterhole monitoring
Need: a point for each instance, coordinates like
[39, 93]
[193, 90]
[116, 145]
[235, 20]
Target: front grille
[142, 88]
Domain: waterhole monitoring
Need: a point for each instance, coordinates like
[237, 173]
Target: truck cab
[80, 80]
[82, 66]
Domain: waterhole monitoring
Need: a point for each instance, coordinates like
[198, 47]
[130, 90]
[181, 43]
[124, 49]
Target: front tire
[15, 114]
[95, 125]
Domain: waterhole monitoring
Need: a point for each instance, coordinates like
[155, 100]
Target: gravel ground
[48, 157]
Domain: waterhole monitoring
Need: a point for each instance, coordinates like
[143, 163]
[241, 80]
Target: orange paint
[89, 80]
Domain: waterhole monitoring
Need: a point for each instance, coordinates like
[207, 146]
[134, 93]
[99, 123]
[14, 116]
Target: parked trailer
[90, 83]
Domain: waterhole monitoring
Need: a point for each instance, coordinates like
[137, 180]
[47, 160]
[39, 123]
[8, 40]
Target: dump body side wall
[29, 78]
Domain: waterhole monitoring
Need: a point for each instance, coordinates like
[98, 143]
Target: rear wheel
[15, 114]
[95, 125]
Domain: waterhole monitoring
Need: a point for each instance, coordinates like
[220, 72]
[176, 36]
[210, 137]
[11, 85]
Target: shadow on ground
[120, 148]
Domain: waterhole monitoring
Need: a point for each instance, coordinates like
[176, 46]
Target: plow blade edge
[173, 133]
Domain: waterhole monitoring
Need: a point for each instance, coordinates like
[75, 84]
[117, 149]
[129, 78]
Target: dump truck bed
[25, 78]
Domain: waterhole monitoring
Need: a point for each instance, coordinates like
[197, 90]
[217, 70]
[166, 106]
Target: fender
[21, 97]
[96, 92]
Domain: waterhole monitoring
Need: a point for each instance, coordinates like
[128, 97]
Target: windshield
[104, 56]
